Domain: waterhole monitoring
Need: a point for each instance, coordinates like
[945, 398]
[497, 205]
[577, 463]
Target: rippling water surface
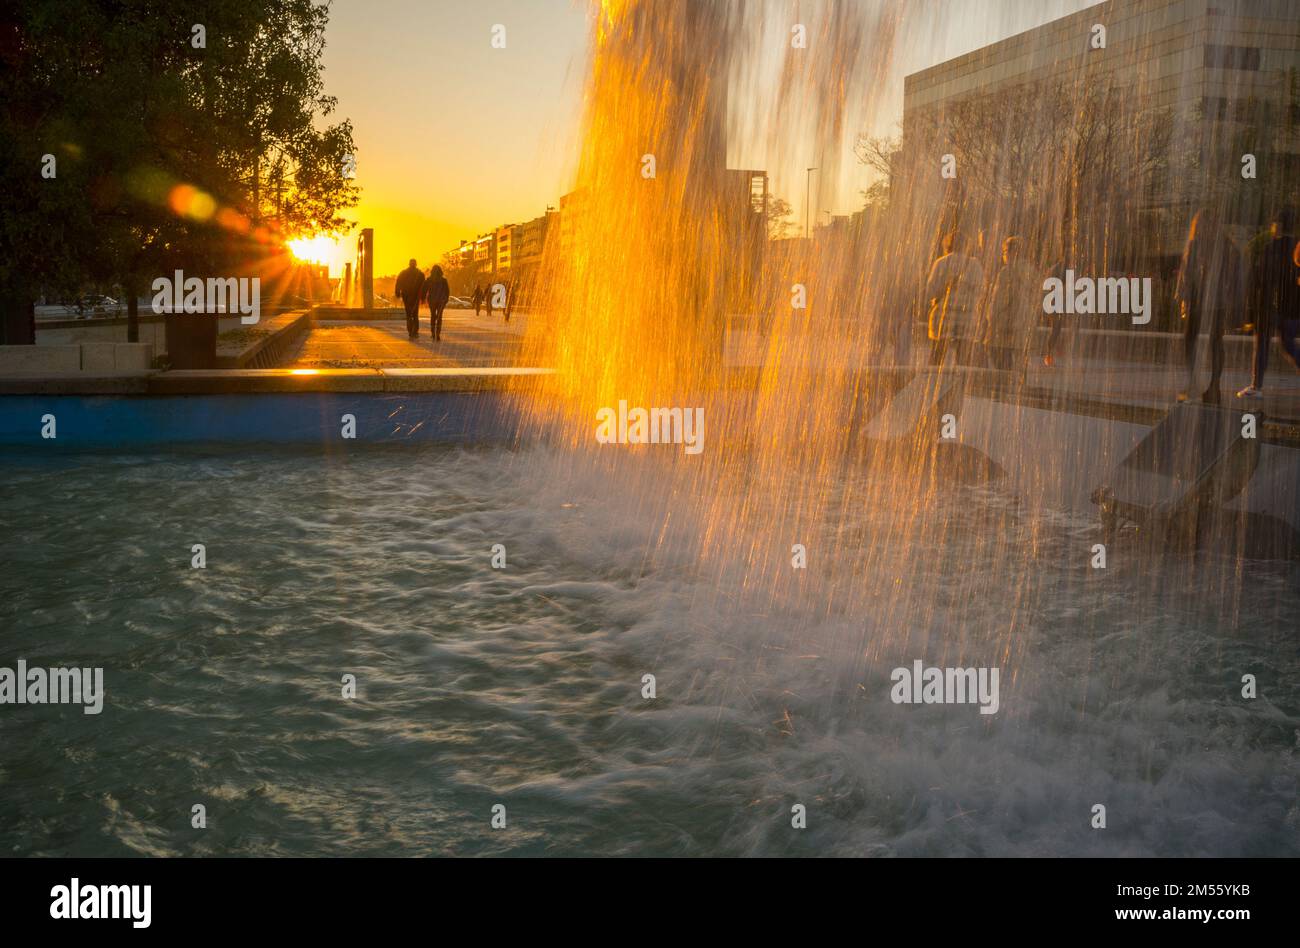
[522, 686]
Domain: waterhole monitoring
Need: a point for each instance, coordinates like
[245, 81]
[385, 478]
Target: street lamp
[807, 201]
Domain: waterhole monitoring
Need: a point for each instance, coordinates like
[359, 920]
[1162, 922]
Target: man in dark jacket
[1210, 291]
[1275, 298]
[409, 283]
[437, 292]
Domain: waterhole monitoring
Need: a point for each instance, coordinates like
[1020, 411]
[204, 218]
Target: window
[1232, 57]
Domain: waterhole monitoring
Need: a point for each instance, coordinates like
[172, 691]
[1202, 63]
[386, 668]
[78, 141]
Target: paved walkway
[467, 341]
[1132, 383]
[482, 341]
[1159, 386]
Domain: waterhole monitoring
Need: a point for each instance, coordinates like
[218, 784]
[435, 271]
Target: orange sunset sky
[455, 137]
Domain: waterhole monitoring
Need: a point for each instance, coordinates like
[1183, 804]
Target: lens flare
[319, 249]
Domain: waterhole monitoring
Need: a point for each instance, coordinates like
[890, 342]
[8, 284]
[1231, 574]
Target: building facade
[1201, 93]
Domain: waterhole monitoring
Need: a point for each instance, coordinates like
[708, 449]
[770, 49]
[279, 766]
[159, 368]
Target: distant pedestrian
[409, 283]
[477, 298]
[1211, 286]
[1275, 298]
[952, 296]
[437, 292]
[1011, 322]
[1055, 321]
[487, 297]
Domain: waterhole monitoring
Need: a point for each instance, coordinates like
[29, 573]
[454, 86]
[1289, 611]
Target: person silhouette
[437, 292]
[409, 283]
[1275, 298]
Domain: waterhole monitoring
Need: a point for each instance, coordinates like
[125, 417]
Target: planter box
[191, 340]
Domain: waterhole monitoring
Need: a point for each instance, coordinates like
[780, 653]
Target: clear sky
[455, 137]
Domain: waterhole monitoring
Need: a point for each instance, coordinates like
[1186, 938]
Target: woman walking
[438, 292]
[1012, 321]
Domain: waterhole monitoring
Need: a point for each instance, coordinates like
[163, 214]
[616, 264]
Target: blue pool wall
[316, 418]
[1054, 458]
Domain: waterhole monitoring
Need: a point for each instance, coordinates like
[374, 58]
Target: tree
[884, 157]
[778, 213]
[171, 152]
[1071, 179]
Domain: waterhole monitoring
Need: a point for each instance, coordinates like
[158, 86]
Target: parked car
[93, 304]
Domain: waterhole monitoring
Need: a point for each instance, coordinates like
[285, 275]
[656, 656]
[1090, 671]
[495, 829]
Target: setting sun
[319, 249]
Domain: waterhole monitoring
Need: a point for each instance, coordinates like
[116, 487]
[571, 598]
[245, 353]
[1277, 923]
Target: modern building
[485, 254]
[1169, 52]
[571, 206]
[533, 237]
[508, 237]
[1207, 81]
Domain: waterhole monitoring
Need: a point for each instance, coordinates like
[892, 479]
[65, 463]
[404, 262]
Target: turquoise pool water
[522, 686]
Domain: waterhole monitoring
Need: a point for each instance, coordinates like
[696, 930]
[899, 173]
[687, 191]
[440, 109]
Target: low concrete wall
[266, 353]
[145, 318]
[116, 356]
[270, 381]
[87, 358]
[39, 360]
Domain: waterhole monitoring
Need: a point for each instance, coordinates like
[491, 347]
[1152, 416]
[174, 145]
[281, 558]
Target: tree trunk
[17, 315]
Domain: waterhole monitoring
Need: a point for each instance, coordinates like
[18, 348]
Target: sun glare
[318, 249]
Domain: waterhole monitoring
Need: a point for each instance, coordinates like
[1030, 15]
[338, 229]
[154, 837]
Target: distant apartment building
[508, 237]
[1211, 80]
[462, 258]
[485, 254]
[571, 207]
[514, 252]
[533, 237]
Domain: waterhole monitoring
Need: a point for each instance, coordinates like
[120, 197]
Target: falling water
[524, 684]
[650, 301]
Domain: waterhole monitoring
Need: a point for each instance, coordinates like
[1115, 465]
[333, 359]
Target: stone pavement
[1158, 386]
[1111, 380]
[468, 341]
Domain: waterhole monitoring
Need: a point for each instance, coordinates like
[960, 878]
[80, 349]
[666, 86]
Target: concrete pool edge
[1074, 443]
[279, 381]
[16, 391]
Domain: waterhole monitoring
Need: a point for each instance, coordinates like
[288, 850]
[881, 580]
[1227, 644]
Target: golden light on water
[655, 264]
